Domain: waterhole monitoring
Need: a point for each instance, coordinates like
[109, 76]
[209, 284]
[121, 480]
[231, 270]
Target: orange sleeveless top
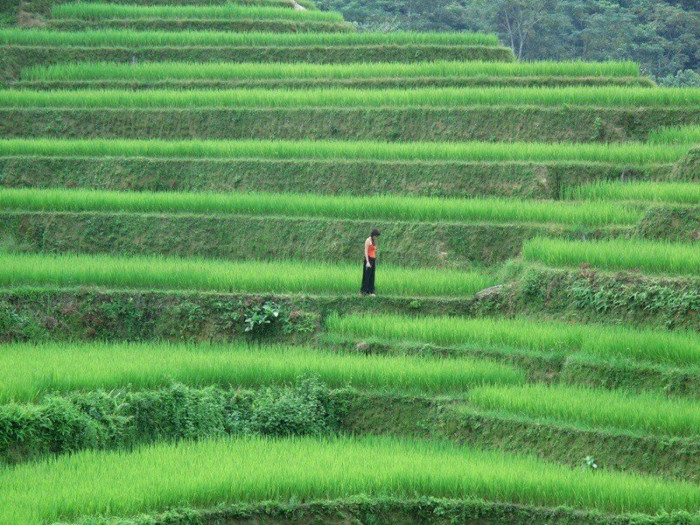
[372, 251]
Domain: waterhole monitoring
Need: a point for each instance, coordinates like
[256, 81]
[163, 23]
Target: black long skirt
[368, 276]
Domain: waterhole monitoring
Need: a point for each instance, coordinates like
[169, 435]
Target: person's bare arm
[367, 244]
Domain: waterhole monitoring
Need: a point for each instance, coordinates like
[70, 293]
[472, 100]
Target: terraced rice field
[185, 190]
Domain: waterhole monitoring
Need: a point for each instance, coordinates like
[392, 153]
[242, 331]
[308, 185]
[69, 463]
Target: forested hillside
[664, 36]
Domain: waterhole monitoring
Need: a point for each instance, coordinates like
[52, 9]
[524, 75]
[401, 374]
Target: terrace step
[538, 180]
[270, 237]
[408, 124]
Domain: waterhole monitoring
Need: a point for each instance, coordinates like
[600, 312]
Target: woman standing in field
[369, 264]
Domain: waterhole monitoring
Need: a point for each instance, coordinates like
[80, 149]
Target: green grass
[105, 11]
[677, 135]
[643, 413]
[229, 71]
[221, 471]
[674, 192]
[635, 154]
[420, 209]
[230, 276]
[430, 97]
[608, 342]
[620, 254]
[31, 371]
[214, 38]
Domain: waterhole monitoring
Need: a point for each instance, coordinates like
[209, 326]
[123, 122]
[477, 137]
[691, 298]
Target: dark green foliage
[66, 315]
[567, 124]
[620, 298]
[438, 179]
[14, 58]
[17, 327]
[689, 168]
[239, 26]
[687, 78]
[107, 420]
[139, 317]
[392, 512]
[595, 373]
[307, 409]
[671, 223]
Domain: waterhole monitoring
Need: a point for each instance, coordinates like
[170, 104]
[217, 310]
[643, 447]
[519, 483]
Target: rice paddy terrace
[185, 188]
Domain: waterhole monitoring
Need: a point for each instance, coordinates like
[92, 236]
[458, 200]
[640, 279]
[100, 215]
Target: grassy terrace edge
[588, 294]
[219, 237]
[539, 180]
[408, 511]
[409, 124]
[611, 96]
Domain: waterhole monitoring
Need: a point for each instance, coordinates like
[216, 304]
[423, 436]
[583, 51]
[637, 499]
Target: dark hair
[375, 233]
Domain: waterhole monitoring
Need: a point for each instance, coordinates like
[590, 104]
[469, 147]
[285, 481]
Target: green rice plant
[628, 254]
[675, 192]
[634, 154]
[677, 135]
[31, 371]
[33, 37]
[428, 97]
[608, 342]
[425, 209]
[225, 471]
[231, 71]
[105, 11]
[230, 276]
[643, 413]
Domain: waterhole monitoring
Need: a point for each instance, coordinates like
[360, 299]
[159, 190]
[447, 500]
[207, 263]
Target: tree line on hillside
[662, 35]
